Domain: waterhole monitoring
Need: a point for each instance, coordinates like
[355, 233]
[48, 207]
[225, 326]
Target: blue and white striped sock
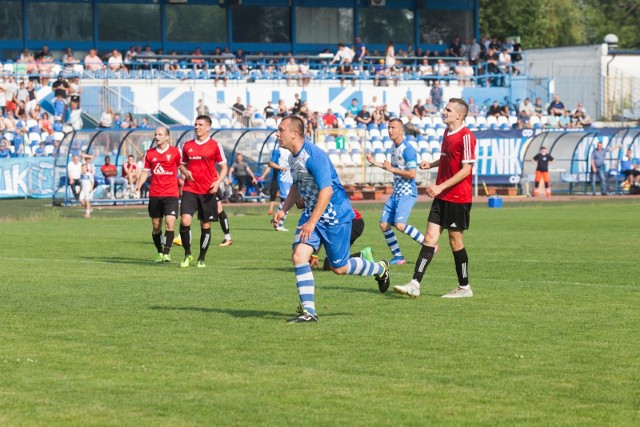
[281, 223]
[392, 242]
[305, 285]
[413, 232]
[362, 267]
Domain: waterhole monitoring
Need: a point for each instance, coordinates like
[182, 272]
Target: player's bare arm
[429, 165]
[434, 190]
[142, 179]
[221, 177]
[186, 173]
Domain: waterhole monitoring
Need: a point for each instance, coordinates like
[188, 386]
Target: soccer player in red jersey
[201, 183]
[162, 162]
[451, 200]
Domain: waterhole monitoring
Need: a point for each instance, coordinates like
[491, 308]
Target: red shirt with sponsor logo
[201, 159]
[458, 148]
[164, 171]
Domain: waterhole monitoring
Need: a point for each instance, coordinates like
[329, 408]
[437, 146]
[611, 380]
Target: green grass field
[94, 333]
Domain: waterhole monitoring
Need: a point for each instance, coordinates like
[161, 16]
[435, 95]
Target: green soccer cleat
[166, 258]
[201, 264]
[186, 261]
[367, 254]
[158, 257]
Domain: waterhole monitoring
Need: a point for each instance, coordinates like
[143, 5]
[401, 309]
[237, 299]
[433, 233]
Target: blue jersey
[282, 159]
[404, 157]
[312, 171]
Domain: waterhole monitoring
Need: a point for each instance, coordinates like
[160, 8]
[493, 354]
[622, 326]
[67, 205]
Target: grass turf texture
[95, 333]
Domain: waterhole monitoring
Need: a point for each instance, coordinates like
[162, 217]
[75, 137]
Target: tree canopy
[553, 23]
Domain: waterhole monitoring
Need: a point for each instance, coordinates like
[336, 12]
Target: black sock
[224, 222]
[423, 261]
[168, 241]
[205, 238]
[462, 260]
[185, 235]
[157, 240]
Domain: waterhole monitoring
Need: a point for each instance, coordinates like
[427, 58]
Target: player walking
[325, 220]
[542, 160]
[199, 159]
[396, 211]
[452, 200]
[162, 162]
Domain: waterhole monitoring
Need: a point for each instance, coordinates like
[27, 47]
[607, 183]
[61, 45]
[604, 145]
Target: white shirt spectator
[74, 169]
[344, 52]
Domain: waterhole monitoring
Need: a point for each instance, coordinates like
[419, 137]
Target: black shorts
[163, 206]
[205, 204]
[357, 227]
[449, 215]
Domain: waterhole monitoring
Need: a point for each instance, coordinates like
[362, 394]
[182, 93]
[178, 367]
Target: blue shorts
[334, 238]
[398, 209]
[283, 188]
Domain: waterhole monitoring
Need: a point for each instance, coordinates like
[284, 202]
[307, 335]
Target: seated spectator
[74, 169]
[527, 107]
[564, 121]
[347, 71]
[405, 108]
[130, 171]
[524, 120]
[283, 111]
[269, 111]
[377, 116]
[106, 119]
[442, 69]
[92, 61]
[630, 169]
[69, 62]
[238, 110]
[425, 70]
[126, 122]
[505, 110]
[461, 74]
[538, 108]
[364, 117]
[473, 108]
[495, 109]
[556, 108]
[305, 73]
[419, 110]
[40, 150]
[45, 124]
[241, 64]
[110, 173]
[5, 152]
[553, 122]
[220, 73]
[144, 123]
[116, 63]
[292, 71]
[580, 117]
[353, 109]
[146, 58]
[130, 58]
[330, 120]
[242, 173]
[429, 108]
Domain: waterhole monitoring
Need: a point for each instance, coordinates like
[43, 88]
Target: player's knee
[384, 226]
[339, 270]
[401, 227]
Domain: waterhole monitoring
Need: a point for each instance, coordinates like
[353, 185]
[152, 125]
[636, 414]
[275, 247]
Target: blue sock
[413, 232]
[392, 242]
[305, 284]
[362, 267]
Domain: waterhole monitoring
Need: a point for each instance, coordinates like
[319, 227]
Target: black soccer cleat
[383, 279]
[304, 317]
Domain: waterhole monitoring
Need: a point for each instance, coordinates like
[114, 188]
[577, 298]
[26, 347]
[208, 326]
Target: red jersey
[358, 214]
[132, 167]
[201, 159]
[458, 147]
[164, 171]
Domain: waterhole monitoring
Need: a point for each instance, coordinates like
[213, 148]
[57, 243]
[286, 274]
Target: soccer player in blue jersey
[325, 220]
[396, 211]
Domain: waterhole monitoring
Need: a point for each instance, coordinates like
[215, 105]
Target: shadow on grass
[242, 314]
[115, 260]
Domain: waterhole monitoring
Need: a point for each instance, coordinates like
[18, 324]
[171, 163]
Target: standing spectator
[451, 206]
[110, 173]
[242, 173]
[390, 56]
[475, 52]
[343, 53]
[202, 109]
[269, 111]
[202, 181]
[436, 94]
[86, 190]
[360, 53]
[542, 160]
[326, 218]
[74, 170]
[238, 110]
[397, 209]
[162, 162]
[598, 168]
[92, 61]
[455, 48]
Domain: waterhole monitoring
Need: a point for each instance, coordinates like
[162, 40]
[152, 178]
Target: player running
[201, 183]
[325, 220]
[162, 162]
[396, 211]
[451, 205]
